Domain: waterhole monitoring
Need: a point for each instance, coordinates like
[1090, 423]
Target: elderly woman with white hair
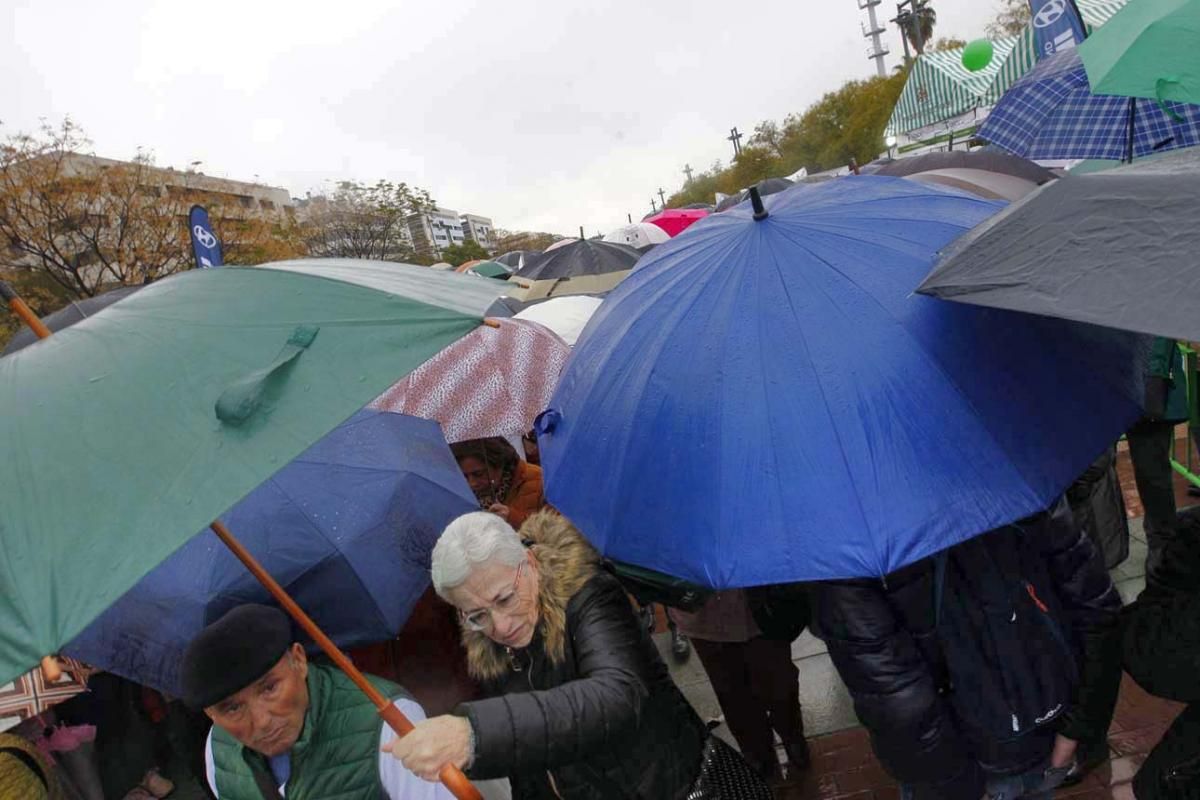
[579, 704]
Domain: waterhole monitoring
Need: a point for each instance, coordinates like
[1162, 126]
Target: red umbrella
[492, 382]
[675, 220]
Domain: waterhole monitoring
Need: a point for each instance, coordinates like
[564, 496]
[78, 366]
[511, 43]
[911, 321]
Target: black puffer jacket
[588, 710]
[1162, 653]
[883, 638]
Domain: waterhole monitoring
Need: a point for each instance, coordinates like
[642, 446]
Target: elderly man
[285, 728]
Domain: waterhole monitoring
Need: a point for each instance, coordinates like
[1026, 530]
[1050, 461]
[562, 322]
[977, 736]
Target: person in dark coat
[1150, 441]
[982, 668]
[1162, 653]
[580, 705]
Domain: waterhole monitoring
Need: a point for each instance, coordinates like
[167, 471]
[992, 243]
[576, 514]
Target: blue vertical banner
[1057, 26]
[205, 245]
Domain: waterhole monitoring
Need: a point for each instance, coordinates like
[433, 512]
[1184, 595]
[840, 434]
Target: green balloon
[978, 54]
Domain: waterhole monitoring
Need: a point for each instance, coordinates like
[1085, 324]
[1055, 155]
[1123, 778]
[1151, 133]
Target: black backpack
[1010, 663]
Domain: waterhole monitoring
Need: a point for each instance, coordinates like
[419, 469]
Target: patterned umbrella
[1052, 113]
[491, 382]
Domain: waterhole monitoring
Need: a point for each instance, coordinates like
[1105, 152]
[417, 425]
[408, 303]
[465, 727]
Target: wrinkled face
[503, 599]
[268, 715]
[480, 477]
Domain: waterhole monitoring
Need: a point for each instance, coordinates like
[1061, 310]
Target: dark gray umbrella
[1001, 163]
[1118, 248]
[765, 187]
[587, 257]
[517, 258]
[701, 206]
[72, 313]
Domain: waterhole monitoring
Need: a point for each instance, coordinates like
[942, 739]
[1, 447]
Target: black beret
[233, 653]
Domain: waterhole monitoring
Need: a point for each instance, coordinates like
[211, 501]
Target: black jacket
[1162, 653]
[884, 640]
[600, 719]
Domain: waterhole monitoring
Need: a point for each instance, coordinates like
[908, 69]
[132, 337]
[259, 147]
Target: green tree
[458, 254]
[365, 221]
[917, 25]
[1014, 15]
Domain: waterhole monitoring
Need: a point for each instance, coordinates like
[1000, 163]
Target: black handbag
[782, 611]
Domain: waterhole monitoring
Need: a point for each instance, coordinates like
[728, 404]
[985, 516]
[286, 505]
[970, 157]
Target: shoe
[681, 648]
[1087, 758]
[715, 722]
[798, 756]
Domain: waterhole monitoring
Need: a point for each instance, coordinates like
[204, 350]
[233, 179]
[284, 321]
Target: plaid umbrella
[1052, 113]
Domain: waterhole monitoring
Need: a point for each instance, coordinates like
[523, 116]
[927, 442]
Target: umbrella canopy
[676, 220]
[767, 401]
[69, 315]
[566, 316]
[517, 258]
[491, 382]
[523, 290]
[560, 243]
[442, 266]
[490, 269]
[988, 185]
[709, 207]
[466, 265]
[638, 235]
[765, 187]
[1051, 113]
[193, 391]
[578, 258]
[999, 163]
[1148, 50]
[1115, 248]
[347, 528]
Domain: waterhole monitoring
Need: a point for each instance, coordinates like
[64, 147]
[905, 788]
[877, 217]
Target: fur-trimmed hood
[565, 562]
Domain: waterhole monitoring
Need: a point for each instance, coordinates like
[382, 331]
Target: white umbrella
[566, 316]
[638, 234]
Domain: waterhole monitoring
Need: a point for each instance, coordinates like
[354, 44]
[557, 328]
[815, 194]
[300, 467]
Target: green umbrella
[1148, 49]
[490, 269]
[128, 432]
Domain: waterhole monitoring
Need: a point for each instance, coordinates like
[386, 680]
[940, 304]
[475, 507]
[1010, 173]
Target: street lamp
[890, 141]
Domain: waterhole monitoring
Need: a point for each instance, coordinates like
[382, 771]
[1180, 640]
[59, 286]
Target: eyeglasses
[482, 619]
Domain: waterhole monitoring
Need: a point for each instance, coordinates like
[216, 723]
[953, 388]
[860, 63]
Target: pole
[662, 196]
[1132, 117]
[451, 776]
[581, 233]
[23, 311]
[629, 217]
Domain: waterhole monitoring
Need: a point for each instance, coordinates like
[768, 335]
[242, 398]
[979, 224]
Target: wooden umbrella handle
[451, 776]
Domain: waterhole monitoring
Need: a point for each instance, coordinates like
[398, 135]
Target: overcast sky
[543, 114]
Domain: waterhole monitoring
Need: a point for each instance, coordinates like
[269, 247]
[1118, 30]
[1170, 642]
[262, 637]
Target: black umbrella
[587, 257]
[72, 313]
[1002, 163]
[1117, 248]
[517, 258]
[765, 187]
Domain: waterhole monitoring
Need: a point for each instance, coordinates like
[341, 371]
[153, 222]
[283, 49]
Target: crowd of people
[990, 669]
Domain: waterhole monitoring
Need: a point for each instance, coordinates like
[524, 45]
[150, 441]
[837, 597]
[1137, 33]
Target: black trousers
[1150, 451]
[758, 687]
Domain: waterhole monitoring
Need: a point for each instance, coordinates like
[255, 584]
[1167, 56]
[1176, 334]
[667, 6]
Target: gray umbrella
[1118, 248]
[1001, 163]
[69, 315]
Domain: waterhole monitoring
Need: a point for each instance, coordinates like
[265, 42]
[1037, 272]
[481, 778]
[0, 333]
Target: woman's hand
[500, 510]
[1064, 751]
[433, 744]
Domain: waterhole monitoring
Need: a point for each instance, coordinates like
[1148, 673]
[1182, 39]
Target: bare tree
[84, 221]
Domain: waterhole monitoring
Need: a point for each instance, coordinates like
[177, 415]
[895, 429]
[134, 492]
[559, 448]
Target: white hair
[468, 542]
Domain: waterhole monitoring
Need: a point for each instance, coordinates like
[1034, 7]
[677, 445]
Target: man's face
[480, 477]
[268, 715]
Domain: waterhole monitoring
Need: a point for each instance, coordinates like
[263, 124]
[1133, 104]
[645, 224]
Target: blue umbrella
[767, 401]
[347, 528]
[1051, 113]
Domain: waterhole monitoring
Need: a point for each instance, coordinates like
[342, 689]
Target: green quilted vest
[336, 756]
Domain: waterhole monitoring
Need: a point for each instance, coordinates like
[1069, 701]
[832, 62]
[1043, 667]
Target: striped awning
[940, 88]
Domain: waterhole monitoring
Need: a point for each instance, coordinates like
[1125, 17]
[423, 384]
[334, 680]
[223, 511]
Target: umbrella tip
[760, 211]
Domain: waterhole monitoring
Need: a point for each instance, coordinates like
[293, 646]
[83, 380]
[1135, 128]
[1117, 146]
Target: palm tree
[917, 25]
